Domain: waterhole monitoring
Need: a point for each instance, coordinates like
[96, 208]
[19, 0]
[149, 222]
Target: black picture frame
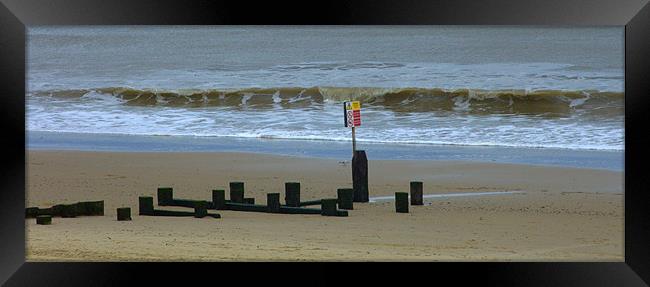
[633, 14]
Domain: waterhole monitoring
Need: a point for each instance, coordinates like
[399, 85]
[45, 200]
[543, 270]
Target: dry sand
[564, 214]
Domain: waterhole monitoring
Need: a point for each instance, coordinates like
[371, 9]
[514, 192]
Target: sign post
[354, 141]
[352, 118]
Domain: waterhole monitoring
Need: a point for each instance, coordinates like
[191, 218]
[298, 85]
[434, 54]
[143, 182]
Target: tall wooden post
[292, 194]
[273, 202]
[416, 193]
[237, 192]
[360, 176]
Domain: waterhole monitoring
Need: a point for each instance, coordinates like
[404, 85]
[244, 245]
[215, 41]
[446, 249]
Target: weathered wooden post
[328, 207]
[200, 209]
[83, 208]
[345, 198]
[145, 205]
[219, 199]
[57, 210]
[292, 194]
[273, 202]
[416, 193]
[31, 212]
[402, 202]
[69, 210]
[165, 196]
[237, 192]
[90, 208]
[124, 214]
[360, 176]
[44, 219]
[96, 208]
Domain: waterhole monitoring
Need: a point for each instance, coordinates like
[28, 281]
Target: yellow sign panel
[355, 106]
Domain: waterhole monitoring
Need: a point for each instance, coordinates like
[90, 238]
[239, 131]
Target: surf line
[388, 198]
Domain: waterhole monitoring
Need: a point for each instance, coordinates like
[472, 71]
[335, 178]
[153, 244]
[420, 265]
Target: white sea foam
[92, 114]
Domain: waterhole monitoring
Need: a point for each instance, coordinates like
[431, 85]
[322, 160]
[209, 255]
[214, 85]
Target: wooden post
[165, 196]
[416, 193]
[57, 210]
[145, 204]
[273, 202]
[83, 208]
[360, 176]
[237, 192]
[200, 209]
[90, 208]
[345, 198]
[218, 199]
[31, 212]
[124, 214]
[402, 202]
[292, 194]
[44, 219]
[69, 210]
[96, 208]
[328, 207]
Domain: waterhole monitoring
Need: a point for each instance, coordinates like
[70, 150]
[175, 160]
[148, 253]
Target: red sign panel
[352, 113]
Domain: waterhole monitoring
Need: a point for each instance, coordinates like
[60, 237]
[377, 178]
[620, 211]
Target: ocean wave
[506, 101]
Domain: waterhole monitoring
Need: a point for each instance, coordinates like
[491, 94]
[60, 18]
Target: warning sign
[352, 113]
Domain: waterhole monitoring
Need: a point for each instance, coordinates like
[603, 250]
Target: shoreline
[592, 159]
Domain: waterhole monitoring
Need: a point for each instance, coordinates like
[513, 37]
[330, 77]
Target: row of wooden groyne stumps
[338, 206]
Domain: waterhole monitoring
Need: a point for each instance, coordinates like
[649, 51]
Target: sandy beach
[561, 214]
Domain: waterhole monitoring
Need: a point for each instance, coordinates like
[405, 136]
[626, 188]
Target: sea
[422, 88]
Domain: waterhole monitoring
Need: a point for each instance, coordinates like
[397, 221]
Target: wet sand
[561, 213]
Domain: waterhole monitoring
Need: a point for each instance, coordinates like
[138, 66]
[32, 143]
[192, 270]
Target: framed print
[502, 139]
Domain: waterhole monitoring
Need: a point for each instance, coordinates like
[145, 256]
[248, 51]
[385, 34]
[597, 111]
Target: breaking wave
[513, 101]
